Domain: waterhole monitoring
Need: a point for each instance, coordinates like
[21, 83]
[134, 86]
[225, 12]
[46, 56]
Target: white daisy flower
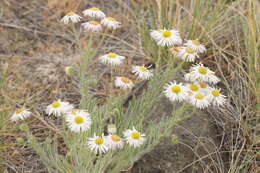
[200, 100]
[194, 87]
[114, 142]
[156, 34]
[124, 83]
[78, 120]
[112, 59]
[188, 54]
[200, 73]
[176, 51]
[134, 138]
[94, 12]
[175, 92]
[166, 37]
[142, 72]
[71, 16]
[21, 114]
[92, 26]
[204, 87]
[110, 23]
[195, 45]
[216, 97]
[98, 144]
[58, 108]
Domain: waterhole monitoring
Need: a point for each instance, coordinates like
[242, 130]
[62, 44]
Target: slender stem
[111, 82]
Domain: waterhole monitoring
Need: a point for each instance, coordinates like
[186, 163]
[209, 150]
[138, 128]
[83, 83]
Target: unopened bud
[175, 139]
[111, 128]
[69, 70]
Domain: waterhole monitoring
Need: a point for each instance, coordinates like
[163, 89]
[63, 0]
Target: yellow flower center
[135, 135]
[199, 96]
[189, 50]
[176, 89]
[75, 111]
[110, 18]
[167, 33]
[194, 87]
[203, 85]
[93, 22]
[143, 69]
[196, 42]
[115, 138]
[71, 14]
[55, 104]
[94, 8]
[215, 92]
[202, 70]
[99, 141]
[112, 55]
[125, 80]
[18, 111]
[79, 119]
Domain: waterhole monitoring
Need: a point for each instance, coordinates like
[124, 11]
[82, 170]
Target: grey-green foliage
[80, 159]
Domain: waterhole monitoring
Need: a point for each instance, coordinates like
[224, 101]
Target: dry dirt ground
[37, 49]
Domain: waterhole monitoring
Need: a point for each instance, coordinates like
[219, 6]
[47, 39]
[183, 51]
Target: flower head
[71, 16]
[165, 37]
[110, 23]
[216, 97]
[94, 12]
[142, 72]
[111, 128]
[69, 70]
[156, 34]
[201, 73]
[134, 138]
[114, 142]
[59, 108]
[175, 92]
[124, 83]
[20, 114]
[98, 144]
[112, 59]
[188, 54]
[176, 51]
[78, 120]
[92, 26]
[195, 45]
[200, 100]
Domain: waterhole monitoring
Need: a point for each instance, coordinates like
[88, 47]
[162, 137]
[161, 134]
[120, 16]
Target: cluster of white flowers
[171, 38]
[101, 144]
[92, 25]
[198, 92]
[80, 120]
[113, 59]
